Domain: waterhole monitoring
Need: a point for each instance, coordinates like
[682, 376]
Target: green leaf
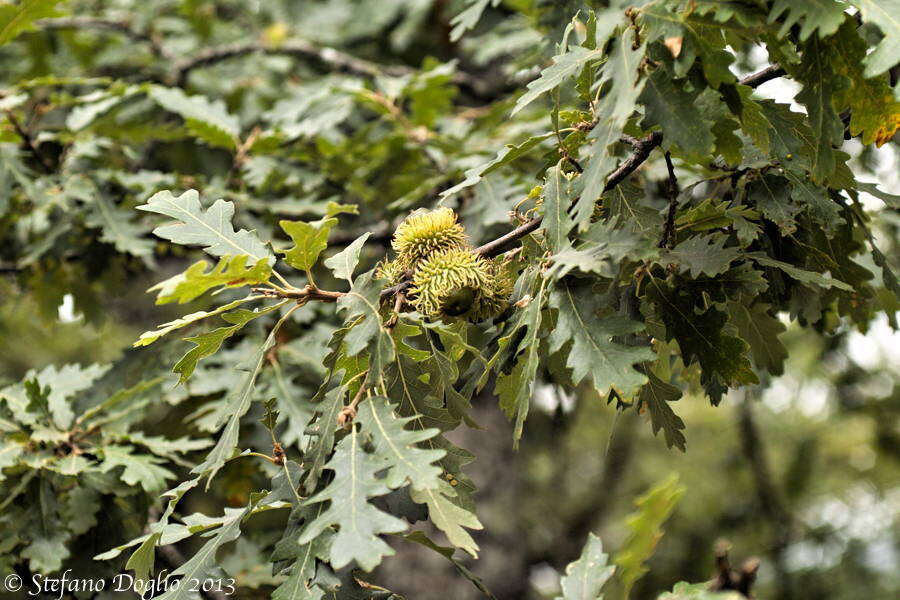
[701, 338]
[886, 15]
[18, 18]
[713, 214]
[772, 197]
[703, 255]
[116, 227]
[368, 332]
[200, 566]
[887, 275]
[209, 343]
[309, 241]
[81, 507]
[299, 586]
[270, 417]
[139, 469]
[698, 591]
[607, 245]
[645, 531]
[143, 559]
[820, 85]
[147, 543]
[419, 537]
[510, 153]
[674, 110]
[558, 198]
[148, 337]
[328, 404]
[621, 70]
[165, 447]
[359, 522]
[409, 381]
[396, 446]
[85, 114]
[891, 200]
[565, 65]
[230, 272]
[593, 350]
[760, 329]
[10, 451]
[237, 405]
[586, 576]
[46, 552]
[211, 229]
[514, 388]
[344, 262]
[792, 139]
[206, 119]
[65, 383]
[655, 396]
[448, 516]
[822, 15]
[468, 18]
[801, 275]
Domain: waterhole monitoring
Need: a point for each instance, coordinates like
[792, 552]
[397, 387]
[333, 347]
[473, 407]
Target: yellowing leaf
[196, 280]
[309, 241]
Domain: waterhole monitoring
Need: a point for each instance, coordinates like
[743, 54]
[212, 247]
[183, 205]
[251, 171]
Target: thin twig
[642, 149]
[301, 295]
[668, 233]
[768, 74]
[728, 579]
[348, 413]
[331, 58]
[28, 142]
[399, 299]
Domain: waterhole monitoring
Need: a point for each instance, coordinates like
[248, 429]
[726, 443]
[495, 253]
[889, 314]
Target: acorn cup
[449, 279]
[422, 234]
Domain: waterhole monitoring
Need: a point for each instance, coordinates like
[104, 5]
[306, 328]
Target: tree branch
[728, 579]
[767, 494]
[672, 191]
[768, 74]
[28, 142]
[334, 59]
[123, 27]
[301, 295]
[329, 57]
[641, 149]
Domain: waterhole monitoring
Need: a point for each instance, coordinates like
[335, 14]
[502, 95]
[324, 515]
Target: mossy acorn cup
[449, 279]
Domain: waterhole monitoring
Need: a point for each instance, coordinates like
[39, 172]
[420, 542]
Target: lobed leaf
[211, 228]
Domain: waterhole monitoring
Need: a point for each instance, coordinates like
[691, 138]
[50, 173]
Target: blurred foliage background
[802, 471]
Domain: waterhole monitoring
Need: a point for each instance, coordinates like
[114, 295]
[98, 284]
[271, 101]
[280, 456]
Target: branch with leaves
[641, 277]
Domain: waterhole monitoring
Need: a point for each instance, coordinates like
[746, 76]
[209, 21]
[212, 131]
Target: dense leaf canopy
[662, 204]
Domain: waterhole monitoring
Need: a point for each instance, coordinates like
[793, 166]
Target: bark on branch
[122, 27]
[329, 57]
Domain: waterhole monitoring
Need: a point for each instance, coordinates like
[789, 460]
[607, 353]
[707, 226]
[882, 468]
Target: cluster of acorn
[449, 279]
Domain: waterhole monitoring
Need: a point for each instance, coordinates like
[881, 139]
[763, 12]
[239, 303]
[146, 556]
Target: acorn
[423, 234]
[458, 284]
[391, 270]
[495, 298]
